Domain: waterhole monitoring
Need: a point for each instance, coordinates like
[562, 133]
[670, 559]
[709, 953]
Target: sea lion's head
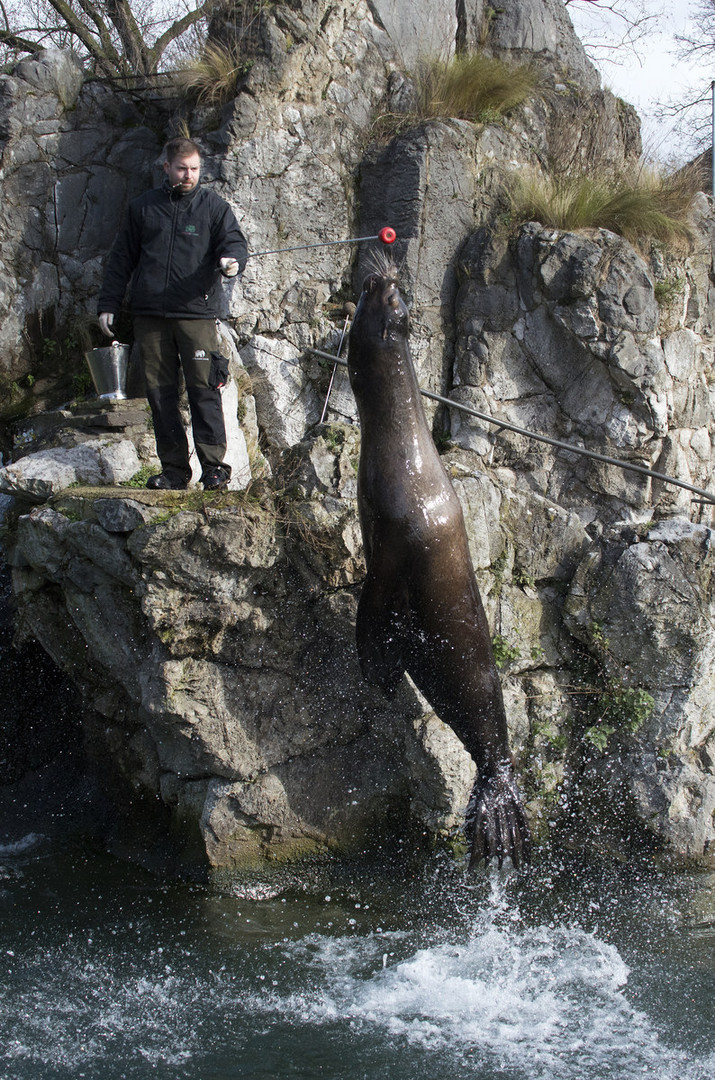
[379, 361]
[381, 312]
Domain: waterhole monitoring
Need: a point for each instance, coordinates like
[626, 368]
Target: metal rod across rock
[706, 496]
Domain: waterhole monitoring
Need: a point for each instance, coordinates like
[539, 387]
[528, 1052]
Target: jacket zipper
[172, 234]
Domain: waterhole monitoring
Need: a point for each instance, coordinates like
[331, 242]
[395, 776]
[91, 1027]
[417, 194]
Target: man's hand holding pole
[228, 266]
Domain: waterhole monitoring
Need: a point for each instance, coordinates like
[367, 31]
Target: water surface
[564, 973]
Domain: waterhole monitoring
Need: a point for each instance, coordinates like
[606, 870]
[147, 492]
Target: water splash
[21, 846]
[539, 1002]
[187, 986]
[76, 1010]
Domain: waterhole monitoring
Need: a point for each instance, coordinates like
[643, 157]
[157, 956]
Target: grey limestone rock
[645, 603]
[123, 515]
[286, 401]
[529, 29]
[53, 71]
[238, 667]
[567, 327]
[39, 476]
[418, 30]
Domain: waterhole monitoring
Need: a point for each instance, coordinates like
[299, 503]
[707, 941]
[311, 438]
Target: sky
[655, 75]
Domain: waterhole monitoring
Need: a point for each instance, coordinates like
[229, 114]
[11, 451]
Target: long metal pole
[328, 243]
[707, 496]
[712, 142]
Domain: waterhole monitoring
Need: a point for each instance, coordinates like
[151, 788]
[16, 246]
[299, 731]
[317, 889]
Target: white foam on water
[543, 1002]
[259, 890]
[507, 1000]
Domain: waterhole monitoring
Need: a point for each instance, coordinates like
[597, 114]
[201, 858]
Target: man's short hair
[181, 147]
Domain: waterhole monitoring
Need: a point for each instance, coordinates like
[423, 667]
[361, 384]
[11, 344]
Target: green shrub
[503, 651]
[139, 479]
[619, 709]
[668, 291]
[82, 384]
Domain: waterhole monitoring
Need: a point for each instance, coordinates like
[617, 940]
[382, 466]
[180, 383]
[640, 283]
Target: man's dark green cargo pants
[192, 344]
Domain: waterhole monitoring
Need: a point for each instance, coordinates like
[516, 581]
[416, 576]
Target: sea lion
[420, 610]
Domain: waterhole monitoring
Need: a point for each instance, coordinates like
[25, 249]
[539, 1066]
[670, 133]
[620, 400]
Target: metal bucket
[108, 368]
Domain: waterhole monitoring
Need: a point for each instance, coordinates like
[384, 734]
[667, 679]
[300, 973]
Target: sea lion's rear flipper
[381, 611]
[496, 819]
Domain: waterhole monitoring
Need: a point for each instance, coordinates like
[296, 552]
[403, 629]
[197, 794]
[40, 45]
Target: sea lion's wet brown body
[420, 610]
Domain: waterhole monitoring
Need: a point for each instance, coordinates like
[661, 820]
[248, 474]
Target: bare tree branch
[612, 29]
[693, 111]
[133, 44]
[95, 15]
[20, 44]
[703, 18]
[115, 37]
[103, 53]
[182, 25]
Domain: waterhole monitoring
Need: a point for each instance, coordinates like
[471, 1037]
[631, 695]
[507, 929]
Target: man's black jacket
[171, 242]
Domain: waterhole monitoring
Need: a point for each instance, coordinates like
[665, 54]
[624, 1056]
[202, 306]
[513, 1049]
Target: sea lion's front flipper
[380, 615]
[495, 816]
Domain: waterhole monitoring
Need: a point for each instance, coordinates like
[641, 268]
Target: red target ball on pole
[387, 235]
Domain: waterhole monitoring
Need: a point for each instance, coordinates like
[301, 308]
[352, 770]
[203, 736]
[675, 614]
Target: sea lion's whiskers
[381, 263]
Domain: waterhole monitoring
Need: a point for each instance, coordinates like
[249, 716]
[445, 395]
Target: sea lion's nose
[391, 295]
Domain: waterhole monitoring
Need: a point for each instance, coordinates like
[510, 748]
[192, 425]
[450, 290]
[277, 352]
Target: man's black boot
[166, 482]
[215, 478]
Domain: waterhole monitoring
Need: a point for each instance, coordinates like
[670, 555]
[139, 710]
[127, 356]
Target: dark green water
[568, 972]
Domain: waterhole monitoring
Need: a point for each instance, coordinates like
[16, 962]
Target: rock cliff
[211, 638]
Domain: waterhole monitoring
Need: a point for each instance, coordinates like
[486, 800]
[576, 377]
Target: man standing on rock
[175, 243]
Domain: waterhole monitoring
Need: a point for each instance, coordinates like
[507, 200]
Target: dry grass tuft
[212, 77]
[472, 86]
[647, 206]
